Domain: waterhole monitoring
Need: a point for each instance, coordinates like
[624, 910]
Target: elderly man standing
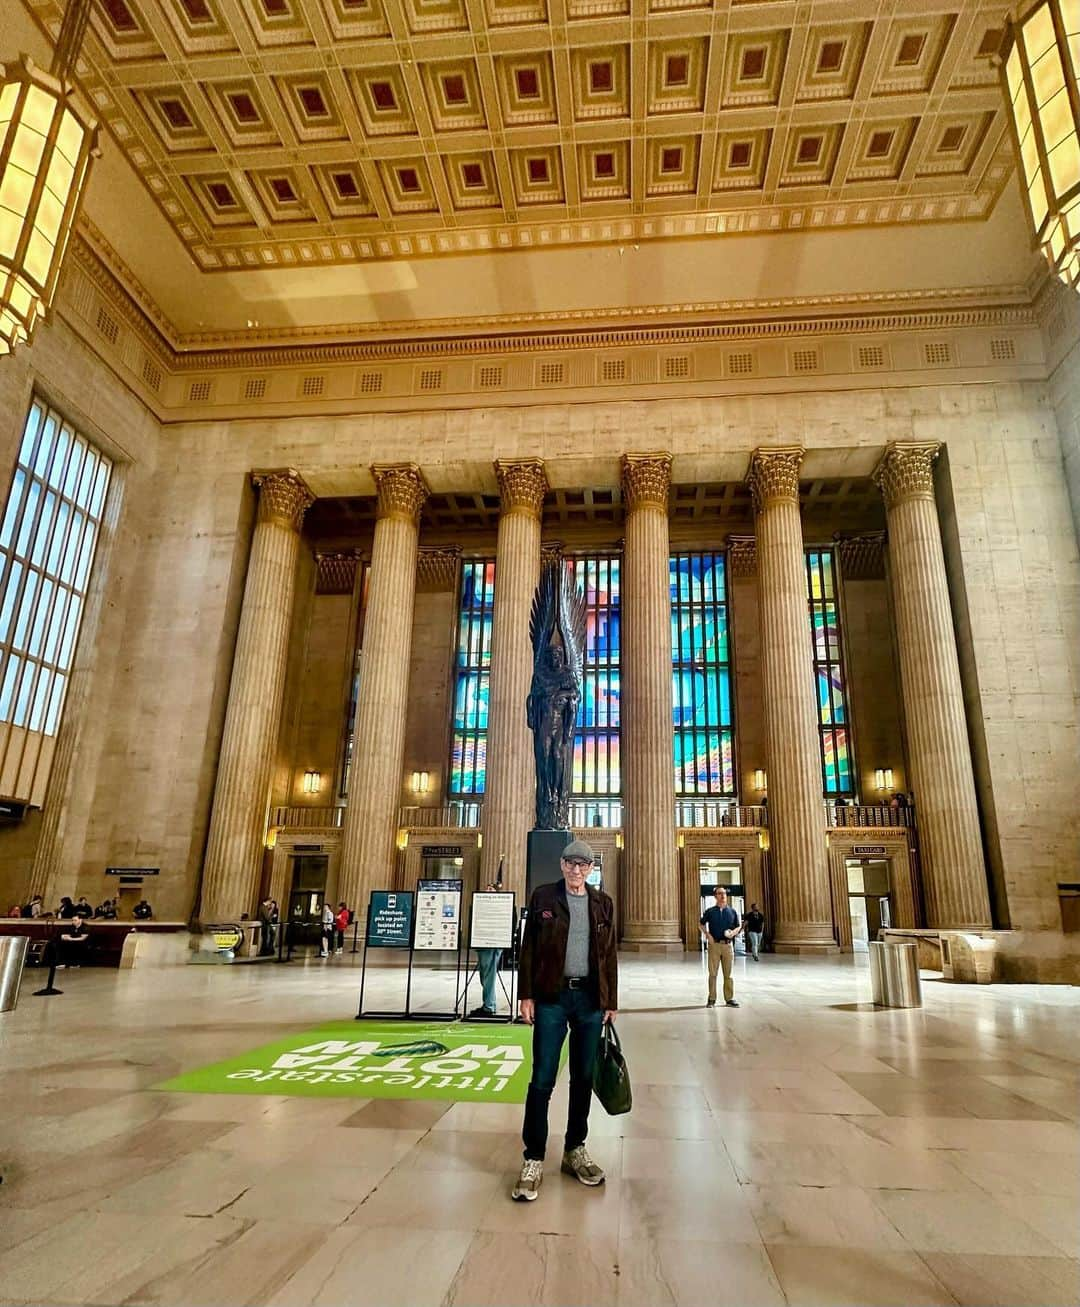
[567, 980]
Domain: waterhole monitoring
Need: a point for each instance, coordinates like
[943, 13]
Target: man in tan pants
[719, 927]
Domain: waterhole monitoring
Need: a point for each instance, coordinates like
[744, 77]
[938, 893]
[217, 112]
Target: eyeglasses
[578, 866]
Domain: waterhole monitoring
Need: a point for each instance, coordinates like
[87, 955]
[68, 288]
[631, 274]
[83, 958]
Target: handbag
[611, 1078]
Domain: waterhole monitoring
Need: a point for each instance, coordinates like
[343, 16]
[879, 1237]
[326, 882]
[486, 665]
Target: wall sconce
[479, 840]
[402, 840]
[271, 837]
[761, 780]
[618, 839]
[883, 779]
[312, 782]
[763, 840]
[421, 782]
[681, 841]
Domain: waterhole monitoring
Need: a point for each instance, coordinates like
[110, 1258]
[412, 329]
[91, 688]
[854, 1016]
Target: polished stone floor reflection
[804, 1148]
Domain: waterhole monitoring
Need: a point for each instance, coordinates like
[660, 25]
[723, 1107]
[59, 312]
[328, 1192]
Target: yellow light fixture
[312, 782]
[618, 839]
[46, 143]
[271, 837]
[1039, 77]
[402, 840]
[421, 782]
[883, 778]
[761, 780]
[763, 840]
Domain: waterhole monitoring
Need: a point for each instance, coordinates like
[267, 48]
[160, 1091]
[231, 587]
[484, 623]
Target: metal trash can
[894, 974]
[12, 961]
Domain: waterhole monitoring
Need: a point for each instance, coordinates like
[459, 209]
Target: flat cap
[578, 849]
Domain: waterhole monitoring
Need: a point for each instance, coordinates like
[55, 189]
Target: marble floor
[805, 1148]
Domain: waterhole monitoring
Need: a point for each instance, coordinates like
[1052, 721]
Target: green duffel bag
[611, 1078]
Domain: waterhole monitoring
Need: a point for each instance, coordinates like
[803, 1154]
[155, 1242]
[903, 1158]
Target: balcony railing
[690, 814]
[463, 814]
[868, 814]
[305, 818]
[704, 814]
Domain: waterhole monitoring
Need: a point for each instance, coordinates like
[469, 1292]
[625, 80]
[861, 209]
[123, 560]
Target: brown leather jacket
[543, 948]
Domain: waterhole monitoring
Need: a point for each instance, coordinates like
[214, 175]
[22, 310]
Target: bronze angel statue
[557, 631]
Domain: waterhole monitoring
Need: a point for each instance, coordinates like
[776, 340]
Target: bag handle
[611, 1035]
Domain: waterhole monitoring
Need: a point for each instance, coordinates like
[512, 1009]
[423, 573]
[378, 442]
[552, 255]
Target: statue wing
[544, 608]
[572, 605]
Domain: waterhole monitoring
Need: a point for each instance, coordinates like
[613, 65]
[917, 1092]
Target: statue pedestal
[542, 862]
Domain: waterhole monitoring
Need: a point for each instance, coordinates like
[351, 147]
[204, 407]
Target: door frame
[903, 884]
[717, 842]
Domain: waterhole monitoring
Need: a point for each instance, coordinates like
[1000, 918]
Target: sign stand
[436, 923]
[492, 927]
[390, 921]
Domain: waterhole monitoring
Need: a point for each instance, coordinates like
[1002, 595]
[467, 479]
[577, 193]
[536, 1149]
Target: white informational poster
[492, 924]
[438, 914]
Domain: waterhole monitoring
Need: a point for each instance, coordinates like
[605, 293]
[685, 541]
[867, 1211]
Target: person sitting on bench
[73, 944]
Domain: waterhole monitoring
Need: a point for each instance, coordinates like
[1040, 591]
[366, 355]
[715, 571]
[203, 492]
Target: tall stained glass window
[47, 541]
[833, 723]
[597, 767]
[701, 676]
[468, 755]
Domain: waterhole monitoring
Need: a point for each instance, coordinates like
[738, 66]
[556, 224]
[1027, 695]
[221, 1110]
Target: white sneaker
[579, 1164]
[528, 1184]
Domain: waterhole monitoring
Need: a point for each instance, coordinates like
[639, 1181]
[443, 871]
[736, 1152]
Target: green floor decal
[379, 1059]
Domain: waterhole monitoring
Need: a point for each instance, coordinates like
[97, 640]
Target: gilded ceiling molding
[523, 484]
[401, 491]
[646, 481]
[335, 574]
[906, 471]
[741, 556]
[774, 475]
[862, 557]
[437, 569]
[284, 497]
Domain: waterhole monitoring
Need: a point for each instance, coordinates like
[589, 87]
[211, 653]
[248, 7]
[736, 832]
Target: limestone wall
[146, 771]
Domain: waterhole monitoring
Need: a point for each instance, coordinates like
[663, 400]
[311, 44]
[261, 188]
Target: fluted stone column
[252, 718]
[650, 879]
[953, 871]
[510, 788]
[367, 848]
[796, 811]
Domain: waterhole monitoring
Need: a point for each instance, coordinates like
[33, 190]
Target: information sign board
[492, 921]
[390, 916]
[438, 914]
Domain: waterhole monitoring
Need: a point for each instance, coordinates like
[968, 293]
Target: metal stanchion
[355, 932]
[51, 953]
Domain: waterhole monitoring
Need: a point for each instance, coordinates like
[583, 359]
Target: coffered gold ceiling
[284, 133]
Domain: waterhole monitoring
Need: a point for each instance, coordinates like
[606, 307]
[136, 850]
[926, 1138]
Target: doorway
[307, 893]
[727, 872]
[869, 900]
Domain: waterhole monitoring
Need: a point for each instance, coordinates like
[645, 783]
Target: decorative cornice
[684, 324]
[774, 476]
[741, 556]
[335, 574]
[437, 569]
[401, 491]
[284, 497]
[862, 557]
[523, 484]
[646, 480]
[906, 471]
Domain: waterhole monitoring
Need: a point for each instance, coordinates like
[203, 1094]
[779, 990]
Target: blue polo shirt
[718, 920]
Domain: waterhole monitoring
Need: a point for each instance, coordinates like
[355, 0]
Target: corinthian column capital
[401, 491]
[284, 497]
[774, 475]
[646, 480]
[907, 471]
[523, 484]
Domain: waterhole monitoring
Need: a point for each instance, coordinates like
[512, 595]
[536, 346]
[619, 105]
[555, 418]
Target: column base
[652, 937]
[804, 937]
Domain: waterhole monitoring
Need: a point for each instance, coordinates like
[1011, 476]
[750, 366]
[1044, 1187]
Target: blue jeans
[487, 960]
[577, 1011]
